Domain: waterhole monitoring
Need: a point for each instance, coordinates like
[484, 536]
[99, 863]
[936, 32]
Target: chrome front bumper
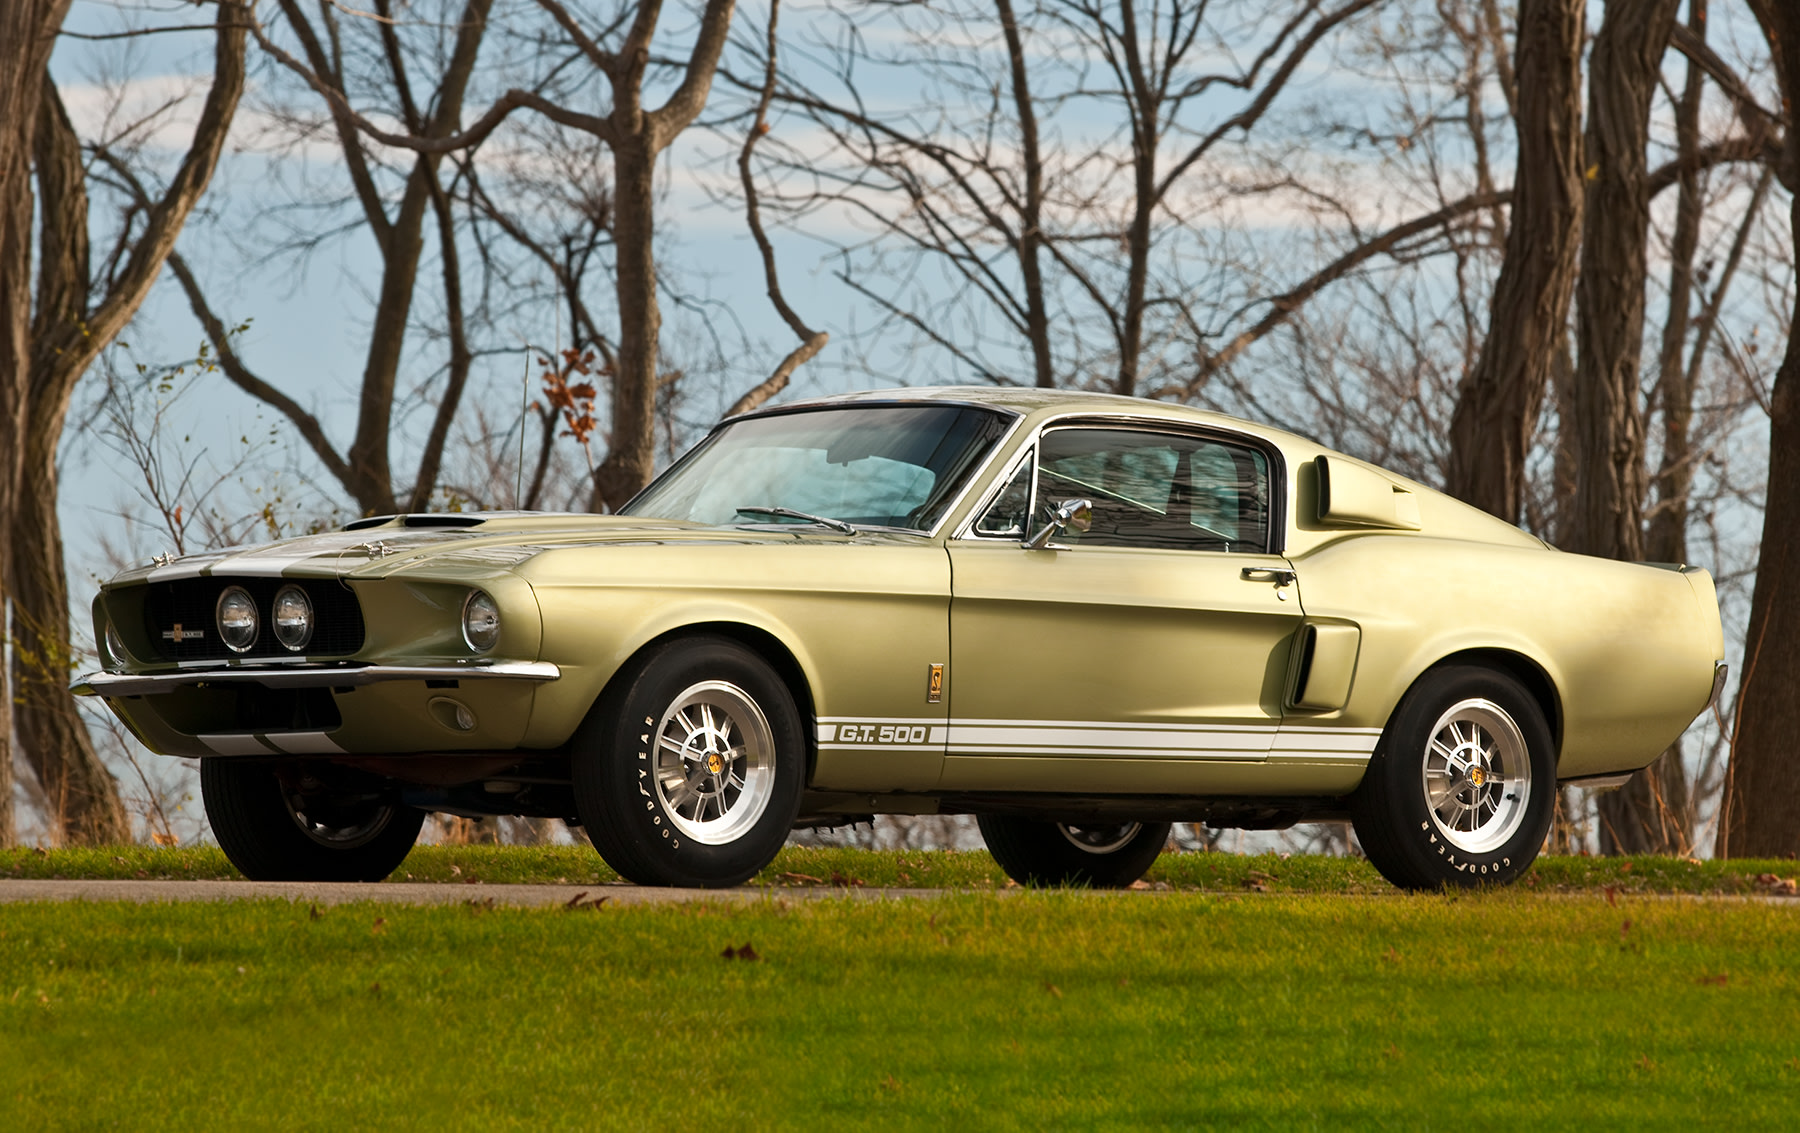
[307, 676]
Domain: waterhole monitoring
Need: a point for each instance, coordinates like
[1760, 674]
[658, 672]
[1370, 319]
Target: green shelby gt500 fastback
[1077, 617]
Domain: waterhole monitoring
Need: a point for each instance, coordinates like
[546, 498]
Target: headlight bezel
[473, 637]
[118, 658]
[255, 620]
[308, 621]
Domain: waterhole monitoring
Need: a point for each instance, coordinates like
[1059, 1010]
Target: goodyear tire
[689, 771]
[281, 824]
[1461, 789]
[1097, 856]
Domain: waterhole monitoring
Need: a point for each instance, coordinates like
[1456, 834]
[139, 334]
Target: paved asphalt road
[412, 892]
[445, 893]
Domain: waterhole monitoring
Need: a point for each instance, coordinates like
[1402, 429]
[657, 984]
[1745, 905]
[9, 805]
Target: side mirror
[1078, 514]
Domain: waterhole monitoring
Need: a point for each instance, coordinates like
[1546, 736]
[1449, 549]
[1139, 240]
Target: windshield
[877, 466]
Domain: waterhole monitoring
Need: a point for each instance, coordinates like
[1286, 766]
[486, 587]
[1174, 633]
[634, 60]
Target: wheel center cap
[1477, 776]
[715, 762]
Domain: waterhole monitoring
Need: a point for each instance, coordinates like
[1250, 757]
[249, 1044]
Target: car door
[1159, 636]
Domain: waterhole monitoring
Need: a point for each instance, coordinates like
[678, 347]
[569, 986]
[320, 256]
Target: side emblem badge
[934, 685]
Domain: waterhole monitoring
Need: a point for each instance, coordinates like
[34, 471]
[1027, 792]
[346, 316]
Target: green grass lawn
[926, 869]
[1035, 1010]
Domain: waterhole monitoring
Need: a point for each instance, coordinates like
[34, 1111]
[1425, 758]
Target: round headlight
[481, 622]
[116, 656]
[293, 617]
[237, 619]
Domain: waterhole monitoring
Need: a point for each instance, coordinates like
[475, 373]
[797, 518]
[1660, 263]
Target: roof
[1031, 399]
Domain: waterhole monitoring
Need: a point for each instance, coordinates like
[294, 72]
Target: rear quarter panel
[1628, 648]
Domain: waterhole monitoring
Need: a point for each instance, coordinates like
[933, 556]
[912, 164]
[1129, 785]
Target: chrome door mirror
[1078, 514]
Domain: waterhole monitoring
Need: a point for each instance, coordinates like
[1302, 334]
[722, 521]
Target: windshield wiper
[790, 513]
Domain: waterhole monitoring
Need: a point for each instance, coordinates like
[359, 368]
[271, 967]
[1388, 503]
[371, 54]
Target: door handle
[1278, 575]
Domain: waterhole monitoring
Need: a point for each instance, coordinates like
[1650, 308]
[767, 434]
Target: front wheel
[689, 771]
[286, 824]
[1097, 855]
[1461, 789]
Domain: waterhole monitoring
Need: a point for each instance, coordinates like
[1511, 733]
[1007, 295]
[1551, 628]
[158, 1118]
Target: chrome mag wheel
[1105, 839]
[1477, 776]
[338, 827]
[714, 763]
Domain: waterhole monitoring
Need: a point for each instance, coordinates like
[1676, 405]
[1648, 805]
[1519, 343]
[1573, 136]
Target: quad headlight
[293, 617]
[238, 620]
[481, 622]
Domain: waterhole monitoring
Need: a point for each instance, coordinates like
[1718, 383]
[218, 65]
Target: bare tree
[1154, 74]
[27, 35]
[399, 232]
[636, 135]
[76, 316]
[1607, 420]
[811, 341]
[1761, 807]
[1497, 407]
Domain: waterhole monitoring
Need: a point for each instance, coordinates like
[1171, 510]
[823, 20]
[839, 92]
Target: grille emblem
[179, 635]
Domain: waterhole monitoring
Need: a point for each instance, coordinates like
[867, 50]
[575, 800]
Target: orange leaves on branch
[573, 398]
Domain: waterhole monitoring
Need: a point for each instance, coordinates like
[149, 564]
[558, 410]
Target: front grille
[192, 603]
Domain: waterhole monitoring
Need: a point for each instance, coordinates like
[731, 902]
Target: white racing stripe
[1296, 744]
[235, 743]
[304, 743]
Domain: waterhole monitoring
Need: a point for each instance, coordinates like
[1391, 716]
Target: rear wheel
[1460, 791]
[282, 824]
[689, 772]
[1096, 855]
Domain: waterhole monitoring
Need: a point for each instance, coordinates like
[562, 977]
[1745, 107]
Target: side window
[1009, 515]
[1158, 490]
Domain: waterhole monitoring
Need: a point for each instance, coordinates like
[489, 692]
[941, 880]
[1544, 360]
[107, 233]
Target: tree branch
[1283, 306]
[811, 341]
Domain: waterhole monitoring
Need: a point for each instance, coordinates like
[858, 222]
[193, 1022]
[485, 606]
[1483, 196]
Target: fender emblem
[179, 635]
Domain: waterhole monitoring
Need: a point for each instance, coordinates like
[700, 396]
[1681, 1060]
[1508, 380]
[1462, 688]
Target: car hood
[500, 541]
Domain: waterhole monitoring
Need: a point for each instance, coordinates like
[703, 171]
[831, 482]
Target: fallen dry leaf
[803, 878]
[744, 953]
[1140, 883]
[380, 925]
[1719, 980]
[1053, 990]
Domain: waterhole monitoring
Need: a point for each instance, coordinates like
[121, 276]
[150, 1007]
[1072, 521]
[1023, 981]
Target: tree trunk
[1608, 419]
[27, 36]
[1662, 791]
[1761, 808]
[81, 795]
[631, 448]
[1497, 406]
[1665, 539]
[1031, 207]
[1609, 424]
